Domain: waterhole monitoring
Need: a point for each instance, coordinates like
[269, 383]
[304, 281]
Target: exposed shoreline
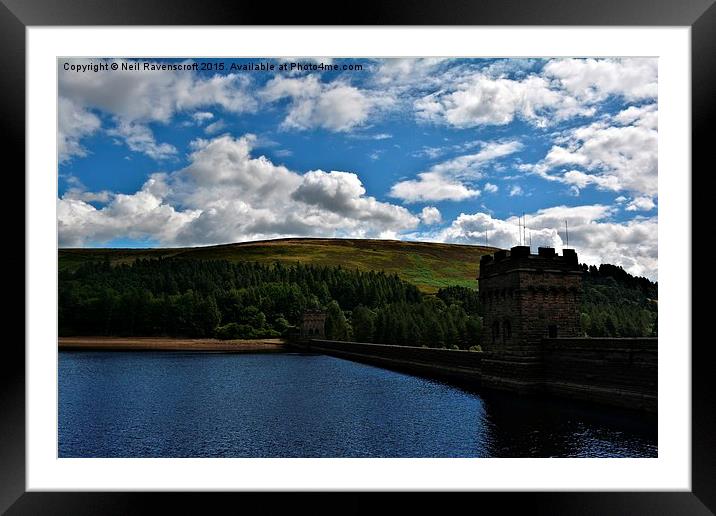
[170, 344]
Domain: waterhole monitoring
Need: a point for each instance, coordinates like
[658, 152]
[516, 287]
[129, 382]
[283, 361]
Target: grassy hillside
[429, 266]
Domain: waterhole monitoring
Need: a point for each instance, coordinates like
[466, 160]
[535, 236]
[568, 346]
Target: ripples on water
[166, 404]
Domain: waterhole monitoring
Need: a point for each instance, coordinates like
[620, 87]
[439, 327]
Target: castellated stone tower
[525, 298]
[313, 325]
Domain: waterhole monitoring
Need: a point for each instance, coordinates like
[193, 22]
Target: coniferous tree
[337, 327]
[363, 324]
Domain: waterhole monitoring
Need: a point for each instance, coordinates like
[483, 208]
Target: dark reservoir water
[165, 404]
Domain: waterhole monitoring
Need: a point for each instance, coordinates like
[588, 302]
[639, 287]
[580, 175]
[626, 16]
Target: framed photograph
[416, 250]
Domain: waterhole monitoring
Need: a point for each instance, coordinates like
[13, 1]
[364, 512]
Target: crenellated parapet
[524, 299]
[520, 258]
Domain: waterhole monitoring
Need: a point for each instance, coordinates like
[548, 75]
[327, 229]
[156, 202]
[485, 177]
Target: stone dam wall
[617, 372]
[620, 372]
[460, 366]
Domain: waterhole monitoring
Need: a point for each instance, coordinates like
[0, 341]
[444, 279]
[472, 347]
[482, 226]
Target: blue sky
[416, 149]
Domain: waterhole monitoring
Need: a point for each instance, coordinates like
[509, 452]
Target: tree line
[197, 298]
[214, 298]
[617, 304]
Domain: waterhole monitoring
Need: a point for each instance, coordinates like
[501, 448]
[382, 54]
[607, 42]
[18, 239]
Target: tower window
[495, 331]
[507, 330]
[552, 331]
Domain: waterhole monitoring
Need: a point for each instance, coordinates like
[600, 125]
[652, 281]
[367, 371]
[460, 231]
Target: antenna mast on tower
[566, 232]
[519, 230]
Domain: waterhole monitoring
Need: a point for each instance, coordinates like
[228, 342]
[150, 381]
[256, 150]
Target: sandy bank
[169, 344]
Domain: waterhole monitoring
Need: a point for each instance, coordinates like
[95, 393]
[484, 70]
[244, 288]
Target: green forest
[225, 300]
[617, 304]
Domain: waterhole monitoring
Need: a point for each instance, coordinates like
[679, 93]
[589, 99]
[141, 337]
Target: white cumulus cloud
[490, 188]
[452, 179]
[226, 194]
[74, 123]
[592, 233]
[618, 153]
[431, 215]
[333, 106]
[431, 186]
[136, 99]
[500, 93]
[140, 138]
[484, 100]
[202, 116]
[643, 203]
[593, 80]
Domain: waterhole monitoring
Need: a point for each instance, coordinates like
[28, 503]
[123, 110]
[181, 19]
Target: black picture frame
[16, 15]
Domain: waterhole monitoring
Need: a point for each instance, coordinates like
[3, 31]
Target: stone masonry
[313, 325]
[526, 298]
[529, 297]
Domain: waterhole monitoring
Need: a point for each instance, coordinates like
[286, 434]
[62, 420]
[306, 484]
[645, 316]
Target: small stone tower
[313, 325]
[525, 298]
